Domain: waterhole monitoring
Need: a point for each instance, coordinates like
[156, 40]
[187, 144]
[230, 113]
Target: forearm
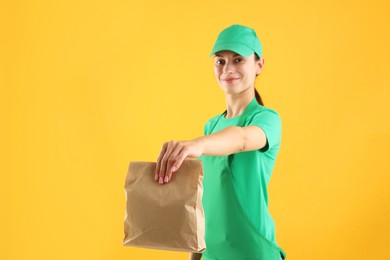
[228, 141]
[225, 142]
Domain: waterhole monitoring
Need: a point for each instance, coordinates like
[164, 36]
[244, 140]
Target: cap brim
[238, 48]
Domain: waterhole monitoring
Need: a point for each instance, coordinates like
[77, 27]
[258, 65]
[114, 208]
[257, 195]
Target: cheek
[249, 72]
[216, 72]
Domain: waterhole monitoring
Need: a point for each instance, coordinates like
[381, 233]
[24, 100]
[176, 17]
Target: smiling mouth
[230, 80]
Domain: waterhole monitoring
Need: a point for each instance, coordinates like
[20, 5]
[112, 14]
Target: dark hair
[257, 95]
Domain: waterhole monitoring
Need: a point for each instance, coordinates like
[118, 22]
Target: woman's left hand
[172, 156]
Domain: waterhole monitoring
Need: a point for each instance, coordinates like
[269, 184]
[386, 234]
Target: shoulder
[264, 114]
[269, 121]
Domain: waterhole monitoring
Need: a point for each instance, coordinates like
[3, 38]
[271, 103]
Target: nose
[228, 68]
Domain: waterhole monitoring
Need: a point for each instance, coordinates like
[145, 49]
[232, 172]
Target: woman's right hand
[173, 154]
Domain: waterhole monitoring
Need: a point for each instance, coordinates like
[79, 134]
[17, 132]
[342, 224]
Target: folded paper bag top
[165, 216]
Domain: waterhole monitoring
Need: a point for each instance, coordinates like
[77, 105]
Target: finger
[172, 160]
[158, 165]
[164, 161]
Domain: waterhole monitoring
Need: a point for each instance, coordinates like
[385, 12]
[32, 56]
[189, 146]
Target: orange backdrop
[87, 86]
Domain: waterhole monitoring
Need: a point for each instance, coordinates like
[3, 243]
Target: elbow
[242, 144]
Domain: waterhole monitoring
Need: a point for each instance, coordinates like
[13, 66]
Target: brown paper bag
[168, 216]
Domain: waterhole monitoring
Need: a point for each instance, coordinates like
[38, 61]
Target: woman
[238, 152]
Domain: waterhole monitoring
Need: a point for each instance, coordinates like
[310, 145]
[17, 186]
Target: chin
[232, 93]
[231, 89]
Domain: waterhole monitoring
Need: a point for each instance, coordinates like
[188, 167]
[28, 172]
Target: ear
[259, 65]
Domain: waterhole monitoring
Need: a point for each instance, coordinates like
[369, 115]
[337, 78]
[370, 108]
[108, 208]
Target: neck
[236, 104]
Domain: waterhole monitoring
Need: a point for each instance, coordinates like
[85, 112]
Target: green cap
[239, 39]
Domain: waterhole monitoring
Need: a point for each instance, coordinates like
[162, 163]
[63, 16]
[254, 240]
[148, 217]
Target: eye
[219, 62]
[237, 60]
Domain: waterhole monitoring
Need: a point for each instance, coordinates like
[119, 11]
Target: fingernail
[166, 179]
[161, 180]
[173, 168]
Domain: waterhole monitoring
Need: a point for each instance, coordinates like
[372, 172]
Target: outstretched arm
[232, 140]
[228, 141]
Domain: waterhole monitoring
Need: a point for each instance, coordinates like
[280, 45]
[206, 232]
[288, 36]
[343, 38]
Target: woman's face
[235, 73]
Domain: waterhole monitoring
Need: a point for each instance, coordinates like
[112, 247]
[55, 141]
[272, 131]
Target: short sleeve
[269, 121]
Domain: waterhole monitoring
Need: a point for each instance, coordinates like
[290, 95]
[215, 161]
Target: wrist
[202, 144]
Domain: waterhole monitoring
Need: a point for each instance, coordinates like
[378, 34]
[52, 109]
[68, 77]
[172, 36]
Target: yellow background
[87, 86]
